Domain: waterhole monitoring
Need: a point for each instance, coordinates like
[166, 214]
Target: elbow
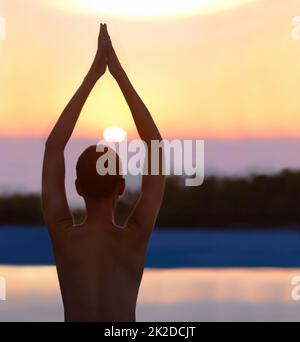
[51, 144]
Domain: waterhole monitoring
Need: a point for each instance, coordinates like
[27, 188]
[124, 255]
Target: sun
[114, 134]
[148, 9]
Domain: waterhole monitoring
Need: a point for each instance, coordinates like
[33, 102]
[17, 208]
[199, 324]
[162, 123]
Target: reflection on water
[166, 295]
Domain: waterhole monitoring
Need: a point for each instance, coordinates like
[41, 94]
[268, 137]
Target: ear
[121, 188]
[77, 185]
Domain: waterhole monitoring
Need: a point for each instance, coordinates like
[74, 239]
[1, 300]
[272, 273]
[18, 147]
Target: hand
[114, 64]
[99, 65]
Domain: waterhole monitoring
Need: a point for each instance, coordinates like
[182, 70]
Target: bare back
[100, 271]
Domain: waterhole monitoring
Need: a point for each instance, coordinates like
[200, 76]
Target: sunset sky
[210, 69]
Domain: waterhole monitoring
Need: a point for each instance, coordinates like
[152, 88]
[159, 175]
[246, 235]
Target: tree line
[254, 201]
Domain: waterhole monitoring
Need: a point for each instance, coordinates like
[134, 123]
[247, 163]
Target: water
[166, 295]
[191, 275]
[174, 248]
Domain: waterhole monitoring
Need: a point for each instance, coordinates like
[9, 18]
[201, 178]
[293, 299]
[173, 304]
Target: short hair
[92, 184]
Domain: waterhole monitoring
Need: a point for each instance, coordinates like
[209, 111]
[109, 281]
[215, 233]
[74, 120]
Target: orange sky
[232, 73]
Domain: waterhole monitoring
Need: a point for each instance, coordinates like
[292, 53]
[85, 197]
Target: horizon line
[43, 137]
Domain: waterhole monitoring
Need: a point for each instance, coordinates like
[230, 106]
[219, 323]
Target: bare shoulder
[61, 235]
[137, 234]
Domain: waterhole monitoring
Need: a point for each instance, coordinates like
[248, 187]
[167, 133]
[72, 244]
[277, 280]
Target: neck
[100, 211]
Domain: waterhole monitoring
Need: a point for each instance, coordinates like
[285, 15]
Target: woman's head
[89, 183]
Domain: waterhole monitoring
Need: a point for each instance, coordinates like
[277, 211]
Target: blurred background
[223, 71]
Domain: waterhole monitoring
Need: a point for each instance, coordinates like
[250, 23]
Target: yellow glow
[221, 76]
[114, 134]
[143, 9]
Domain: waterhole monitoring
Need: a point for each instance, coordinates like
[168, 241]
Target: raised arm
[55, 207]
[146, 210]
